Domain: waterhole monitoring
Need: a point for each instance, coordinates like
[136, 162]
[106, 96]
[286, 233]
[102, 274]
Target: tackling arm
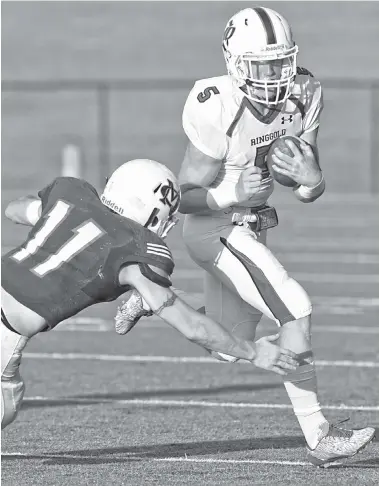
[25, 210]
[194, 326]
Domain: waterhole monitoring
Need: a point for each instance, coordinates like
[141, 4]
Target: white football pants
[243, 279]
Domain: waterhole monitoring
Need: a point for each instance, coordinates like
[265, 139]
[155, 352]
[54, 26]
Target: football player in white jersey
[230, 122]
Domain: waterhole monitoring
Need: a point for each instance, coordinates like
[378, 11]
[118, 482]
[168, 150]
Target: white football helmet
[260, 39]
[146, 192]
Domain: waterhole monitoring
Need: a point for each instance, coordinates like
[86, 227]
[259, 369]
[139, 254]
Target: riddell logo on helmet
[274, 48]
[112, 205]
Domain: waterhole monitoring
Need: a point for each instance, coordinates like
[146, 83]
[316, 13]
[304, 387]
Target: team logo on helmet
[170, 196]
[228, 34]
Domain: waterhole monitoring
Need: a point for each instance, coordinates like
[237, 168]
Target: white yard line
[197, 403]
[178, 359]
[47, 456]
[108, 326]
[98, 324]
[232, 461]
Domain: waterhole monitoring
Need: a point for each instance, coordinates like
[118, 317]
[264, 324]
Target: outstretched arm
[202, 330]
[194, 326]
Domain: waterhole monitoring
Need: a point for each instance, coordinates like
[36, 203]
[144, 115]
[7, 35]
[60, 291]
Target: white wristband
[309, 194]
[222, 196]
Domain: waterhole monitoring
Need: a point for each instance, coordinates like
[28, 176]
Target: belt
[258, 219]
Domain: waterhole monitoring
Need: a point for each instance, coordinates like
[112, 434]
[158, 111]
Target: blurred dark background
[111, 78]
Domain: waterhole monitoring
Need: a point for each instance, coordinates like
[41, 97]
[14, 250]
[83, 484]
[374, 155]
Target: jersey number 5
[260, 159]
[84, 235]
[207, 93]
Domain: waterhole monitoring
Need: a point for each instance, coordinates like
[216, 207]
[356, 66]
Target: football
[280, 143]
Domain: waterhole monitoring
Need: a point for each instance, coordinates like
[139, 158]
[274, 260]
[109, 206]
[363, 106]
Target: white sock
[301, 386]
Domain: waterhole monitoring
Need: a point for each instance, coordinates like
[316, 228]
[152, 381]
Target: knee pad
[12, 393]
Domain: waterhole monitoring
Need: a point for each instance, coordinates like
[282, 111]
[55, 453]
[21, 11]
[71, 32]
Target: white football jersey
[222, 123]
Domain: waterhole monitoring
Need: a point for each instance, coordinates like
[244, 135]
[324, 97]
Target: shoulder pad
[206, 115]
[80, 183]
[86, 185]
[204, 94]
[68, 182]
[44, 193]
[65, 186]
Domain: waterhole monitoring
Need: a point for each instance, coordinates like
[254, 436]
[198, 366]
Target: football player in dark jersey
[84, 249]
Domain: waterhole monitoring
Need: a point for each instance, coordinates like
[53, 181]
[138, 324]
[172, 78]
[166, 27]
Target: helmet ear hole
[153, 218]
[155, 221]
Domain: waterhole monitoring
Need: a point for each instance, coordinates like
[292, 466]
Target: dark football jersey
[73, 255]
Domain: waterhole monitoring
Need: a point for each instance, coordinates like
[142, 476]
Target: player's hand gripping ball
[292, 161]
[280, 143]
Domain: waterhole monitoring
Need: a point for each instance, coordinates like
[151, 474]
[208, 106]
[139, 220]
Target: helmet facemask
[265, 77]
[161, 227]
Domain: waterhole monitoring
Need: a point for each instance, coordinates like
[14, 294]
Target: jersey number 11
[84, 235]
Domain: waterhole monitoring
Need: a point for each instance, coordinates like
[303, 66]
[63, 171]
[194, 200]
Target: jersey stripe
[299, 104]
[160, 250]
[267, 24]
[246, 105]
[158, 246]
[163, 248]
[159, 254]
[265, 288]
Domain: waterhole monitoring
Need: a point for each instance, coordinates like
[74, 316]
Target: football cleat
[339, 444]
[130, 312]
